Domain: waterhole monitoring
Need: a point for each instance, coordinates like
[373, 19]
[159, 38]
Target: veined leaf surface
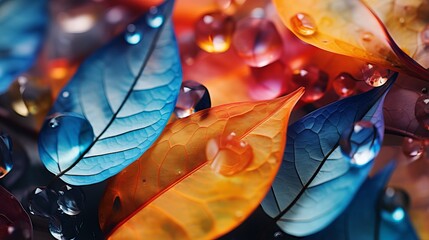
[173, 191]
[23, 24]
[116, 105]
[315, 182]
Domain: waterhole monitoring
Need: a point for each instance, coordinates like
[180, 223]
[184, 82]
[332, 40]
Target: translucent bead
[71, 200]
[270, 81]
[154, 18]
[29, 98]
[230, 6]
[412, 148]
[228, 155]
[193, 97]
[344, 84]
[213, 32]
[67, 135]
[375, 76]
[361, 143]
[133, 36]
[314, 80]
[394, 203]
[43, 202]
[421, 111]
[257, 42]
[303, 24]
[65, 227]
[6, 162]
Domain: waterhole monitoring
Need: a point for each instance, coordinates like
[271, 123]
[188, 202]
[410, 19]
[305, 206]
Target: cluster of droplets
[62, 207]
[134, 33]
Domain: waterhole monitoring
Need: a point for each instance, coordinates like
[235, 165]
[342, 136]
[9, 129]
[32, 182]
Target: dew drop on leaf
[228, 155]
[132, 35]
[421, 111]
[213, 32]
[394, 203]
[71, 200]
[314, 80]
[303, 24]
[193, 97]
[6, 162]
[154, 18]
[360, 143]
[257, 41]
[375, 76]
[344, 84]
[412, 148]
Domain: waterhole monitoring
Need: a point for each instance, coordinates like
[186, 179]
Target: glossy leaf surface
[23, 24]
[116, 105]
[315, 182]
[350, 28]
[14, 221]
[173, 191]
[363, 217]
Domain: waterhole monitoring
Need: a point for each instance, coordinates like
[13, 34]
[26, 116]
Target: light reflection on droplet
[132, 36]
[303, 24]
[154, 18]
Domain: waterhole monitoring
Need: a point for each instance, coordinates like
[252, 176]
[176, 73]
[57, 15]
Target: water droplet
[43, 202]
[154, 18]
[63, 226]
[71, 200]
[375, 76]
[361, 143]
[425, 35]
[230, 6]
[76, 136]
[394, 203]
[132, 35]
[228, 155]
[269, 81]
[213, 32]
[367, 36]
[314, 80]
[344, 84]
[6, 162]
[65, 94]
[193, 97]
[421, 111]
[303, 24]
[412, 148]
[257, 42]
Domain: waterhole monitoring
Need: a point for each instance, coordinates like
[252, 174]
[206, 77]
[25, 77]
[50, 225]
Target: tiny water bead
[213, 32]
[421, 111]
[344, 84]
[154, 18]
[413, 148]
[132, 35]
[42, 202]
[314, 80]
[375, 76]
[6, 162]
[360, 143]
[71, 200]
[303, 24]
[257, 41]
[193, 97]
[76, 136]
[394, 202]
[269, 81]
[228, 155]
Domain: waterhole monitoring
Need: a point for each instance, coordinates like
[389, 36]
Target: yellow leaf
[174, 192]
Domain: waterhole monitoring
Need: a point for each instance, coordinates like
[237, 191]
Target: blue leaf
[362, 218]
[23, 24]
[116, 105]
[315, 182]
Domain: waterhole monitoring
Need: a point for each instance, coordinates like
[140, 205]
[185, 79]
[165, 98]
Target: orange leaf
[174, 192]
[346, 27]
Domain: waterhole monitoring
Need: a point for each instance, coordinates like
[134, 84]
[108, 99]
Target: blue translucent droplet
[63, 139]
[132, 36]
[193, 97]
[394, 202]
[154, 18]
[6, 162]
[42, 202]
[361, 143]
[71, 200]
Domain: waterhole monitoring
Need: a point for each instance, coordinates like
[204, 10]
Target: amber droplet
[344, 84]
[213, 32]
[228, 155]
[303, 24]
[257, 42]
[314, 80]
[375, 76]
[425, 35]
[412, 148]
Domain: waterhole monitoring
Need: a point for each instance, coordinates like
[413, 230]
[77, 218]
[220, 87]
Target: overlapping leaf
[350, 28]
[315, 183]
[116, 105]
[173, 193]
[22, 24]
[14, 221]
